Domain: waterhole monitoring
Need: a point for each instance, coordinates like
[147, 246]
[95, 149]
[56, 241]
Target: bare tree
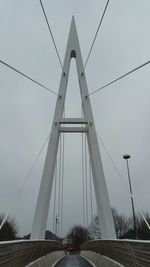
[79, 235]
[9, 230]
[94, 228]
[122, 223]
[143, 231]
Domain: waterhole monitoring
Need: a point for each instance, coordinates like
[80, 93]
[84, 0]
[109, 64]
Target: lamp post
[127, 157]
[57, 225]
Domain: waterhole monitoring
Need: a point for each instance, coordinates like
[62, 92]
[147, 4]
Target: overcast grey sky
[121, 111]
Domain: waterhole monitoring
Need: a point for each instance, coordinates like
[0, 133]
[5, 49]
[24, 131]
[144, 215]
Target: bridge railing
[20, 253]
[127, 252]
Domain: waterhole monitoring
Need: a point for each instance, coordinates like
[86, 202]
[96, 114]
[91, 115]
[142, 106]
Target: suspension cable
[59, 181]
[91, 194]
[27, 77]
[54, 211]
[98, 28]
[50, 31]
[121, 178]
[83, 178]
[62, 187]
[119, 78]
[86, 180]
[20, 189]
[83, 174]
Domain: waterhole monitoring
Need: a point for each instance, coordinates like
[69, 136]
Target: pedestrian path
[73, 261]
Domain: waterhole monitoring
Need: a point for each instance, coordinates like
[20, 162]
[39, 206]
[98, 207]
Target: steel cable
[62, 186]
[119, 78]
[59, 181]
[86, 180]
[121, 178]
[50, 31]
[26, 76]
[19, 191]
[54, 211]
[91, 194]
[83, 173]
[98, 28]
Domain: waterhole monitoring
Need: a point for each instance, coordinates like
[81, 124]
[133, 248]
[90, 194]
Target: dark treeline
[123, 224]
[9, 230]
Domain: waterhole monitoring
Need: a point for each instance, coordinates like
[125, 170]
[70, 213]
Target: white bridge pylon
[102, 199]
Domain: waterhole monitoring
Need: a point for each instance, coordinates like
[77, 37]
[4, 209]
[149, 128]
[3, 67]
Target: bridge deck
[73, 260]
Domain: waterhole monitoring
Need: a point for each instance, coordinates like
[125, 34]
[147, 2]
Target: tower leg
[42, 207]
[102, 199]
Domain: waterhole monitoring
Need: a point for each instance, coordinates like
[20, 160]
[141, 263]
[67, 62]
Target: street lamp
[57, 225]
[127, 157]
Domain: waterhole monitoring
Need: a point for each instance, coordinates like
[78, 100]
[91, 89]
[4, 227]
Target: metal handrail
[20, 253]
[127, 252]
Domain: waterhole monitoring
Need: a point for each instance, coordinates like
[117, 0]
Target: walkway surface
[73, 260]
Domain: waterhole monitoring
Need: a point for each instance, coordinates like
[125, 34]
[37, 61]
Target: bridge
[109, 251]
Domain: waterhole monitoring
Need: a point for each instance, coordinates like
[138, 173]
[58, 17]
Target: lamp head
[126, 156]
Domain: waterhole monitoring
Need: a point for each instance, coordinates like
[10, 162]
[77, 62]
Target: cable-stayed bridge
[106, 252]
